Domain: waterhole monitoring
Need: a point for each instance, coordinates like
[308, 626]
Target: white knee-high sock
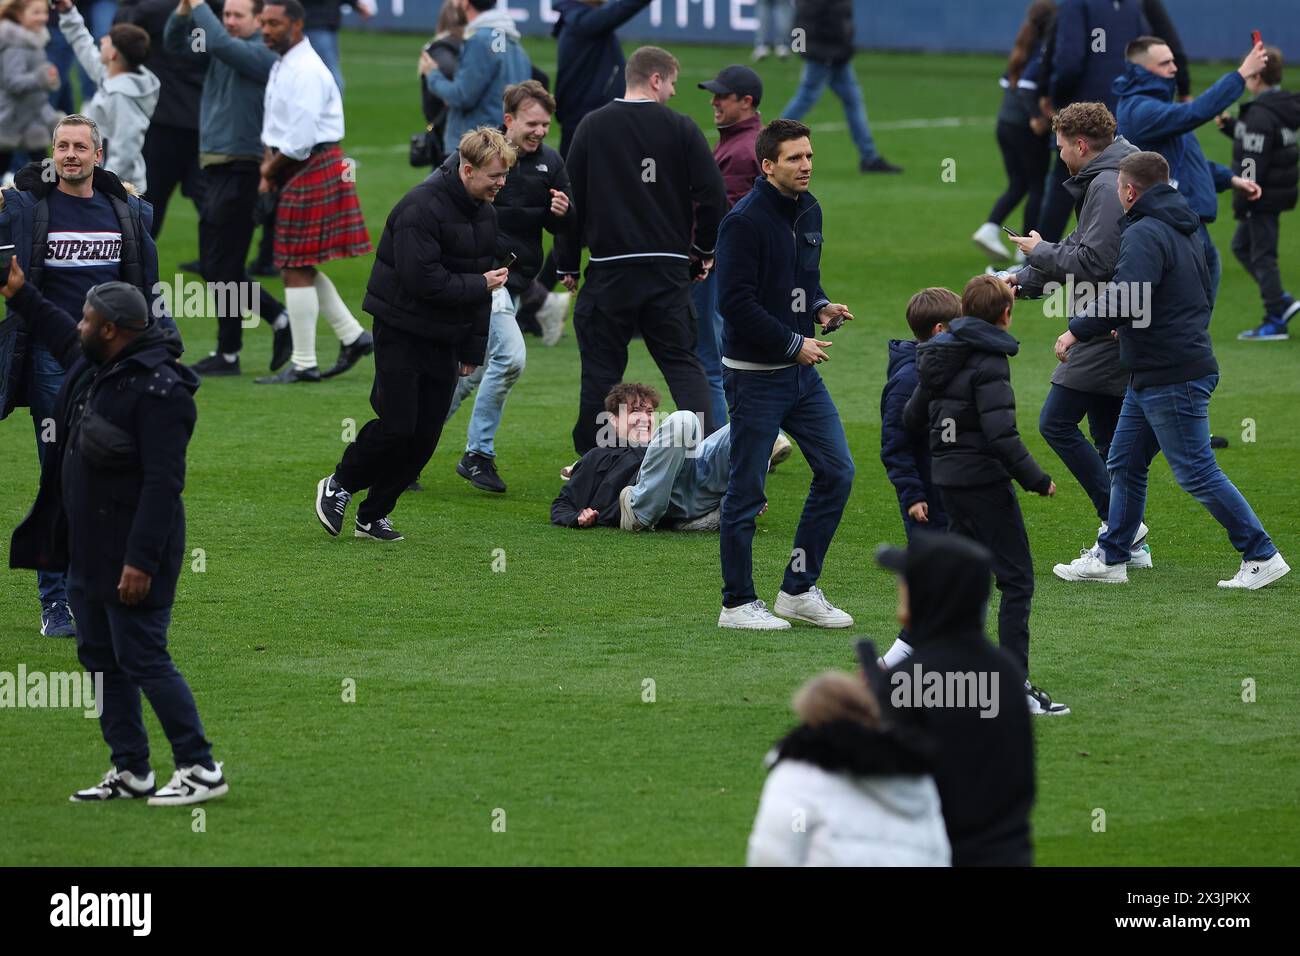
[900, 652]
[335, 310]
[304, 306]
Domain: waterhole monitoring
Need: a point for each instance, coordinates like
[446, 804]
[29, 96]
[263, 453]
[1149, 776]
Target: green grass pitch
[521, 689]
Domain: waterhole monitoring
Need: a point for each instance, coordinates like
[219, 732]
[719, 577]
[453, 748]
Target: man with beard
[109, 510]
[69, 235]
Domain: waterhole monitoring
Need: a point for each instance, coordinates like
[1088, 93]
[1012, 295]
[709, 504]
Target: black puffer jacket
[965, 399]
[828, 29]
[1264, 132]
[428, 274]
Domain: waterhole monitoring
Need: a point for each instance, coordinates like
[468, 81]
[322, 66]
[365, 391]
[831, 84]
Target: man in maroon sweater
[736, 92]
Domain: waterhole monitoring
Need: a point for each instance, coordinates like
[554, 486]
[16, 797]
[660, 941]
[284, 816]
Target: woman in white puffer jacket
[845, 791]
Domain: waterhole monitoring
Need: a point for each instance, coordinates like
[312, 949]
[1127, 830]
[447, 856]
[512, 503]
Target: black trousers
[1054, 213]
[225, 233]
[171, 159]
[1025, 156]
[1255, 246]
[414, 383]
[990, 514]
[614, 302]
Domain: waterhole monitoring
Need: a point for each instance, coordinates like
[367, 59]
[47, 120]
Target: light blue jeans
[326, 45]
[506, 357]
[682, 476]
[844, 85]
[774, 18]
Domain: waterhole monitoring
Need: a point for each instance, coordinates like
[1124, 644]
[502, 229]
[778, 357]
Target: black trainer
[350, 355]
[191, 266]
[215, 364]
[263, 269]
[481, 472]
[381, 529]
[878, 165]
[281, 347]
[331, 504]
[1040, 705]
[290, 374]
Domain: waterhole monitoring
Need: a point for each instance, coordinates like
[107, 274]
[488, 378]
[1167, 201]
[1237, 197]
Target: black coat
[906, 455]
[111, 485]
[524, 209]
[1264, 132]
[828, 29]
[597, 480]
[428, 273]
[181, 77]
[965, 399]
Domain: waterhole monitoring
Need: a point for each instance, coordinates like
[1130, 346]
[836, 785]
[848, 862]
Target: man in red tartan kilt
[318, 216]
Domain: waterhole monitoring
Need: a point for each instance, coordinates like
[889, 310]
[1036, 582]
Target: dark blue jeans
[1058, 423]
[761, 403]
[1174, 419]
[43, 384]
[1212, 262]
[708, 346]
[128, 646]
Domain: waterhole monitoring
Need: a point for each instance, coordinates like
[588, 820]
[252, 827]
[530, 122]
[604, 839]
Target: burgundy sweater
[734, 155]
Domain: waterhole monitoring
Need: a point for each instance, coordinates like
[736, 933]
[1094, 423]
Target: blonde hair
[12, 9]
[479, 146]
[835, 695]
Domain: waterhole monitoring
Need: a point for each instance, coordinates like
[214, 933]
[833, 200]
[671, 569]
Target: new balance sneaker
[709, 522]
[551, 316]
[1091, 566]
[215, 364]
[190, 785]
[988, 238]
[350, 355]
[290, 375]
[1254, 575]
[1270, 330]
[753, 616]
[627, 519]
[1040, 705]
[116, 785]
[481, 472]
[781, 450]
[381, 529]
[56, 620]
[331, 504]
[811, 606]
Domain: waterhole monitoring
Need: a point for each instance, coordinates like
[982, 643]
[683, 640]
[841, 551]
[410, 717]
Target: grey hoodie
[122, 107]
[26, 117]
[1088, 255]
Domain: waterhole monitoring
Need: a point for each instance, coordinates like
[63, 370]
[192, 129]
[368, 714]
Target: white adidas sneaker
[1254, 575]
[811, 606]
[1091, 566]
[753, 616]
[116, 785]
[190, 785]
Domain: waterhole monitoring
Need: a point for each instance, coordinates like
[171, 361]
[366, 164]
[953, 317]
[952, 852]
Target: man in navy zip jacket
[770, 294]
[1166, 346]
[1149, 118]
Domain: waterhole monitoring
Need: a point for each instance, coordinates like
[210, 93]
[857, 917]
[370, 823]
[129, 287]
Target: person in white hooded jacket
[126, 93]
[845, 790]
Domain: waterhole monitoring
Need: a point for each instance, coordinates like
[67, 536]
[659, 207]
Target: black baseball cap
[737, 79]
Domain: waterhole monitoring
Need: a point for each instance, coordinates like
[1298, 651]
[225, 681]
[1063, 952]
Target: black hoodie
[1264, 133]
[965, 399]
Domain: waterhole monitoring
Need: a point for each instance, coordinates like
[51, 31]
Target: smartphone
[1010, 233]
[509, 261]
[6, 253]
[834, 323]
[1255, 39]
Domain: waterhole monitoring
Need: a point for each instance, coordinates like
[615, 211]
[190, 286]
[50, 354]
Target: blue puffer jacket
[590, 71]
[1081, 73]
[1150, 120]
[906, 456]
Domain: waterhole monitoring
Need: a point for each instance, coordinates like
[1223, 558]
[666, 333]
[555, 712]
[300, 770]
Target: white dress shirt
[302, 106]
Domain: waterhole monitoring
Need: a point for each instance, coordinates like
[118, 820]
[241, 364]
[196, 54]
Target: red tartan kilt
[319, 216]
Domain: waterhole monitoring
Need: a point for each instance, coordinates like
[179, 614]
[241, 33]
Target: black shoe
[191, 266]
[331, 504]
[1218, 441]
[481, 472]
[215, 364]
[350, 355]
[415, 486]
[878, 165]
[263, 270]
[380, 530]
[289, 375]
[281, 347]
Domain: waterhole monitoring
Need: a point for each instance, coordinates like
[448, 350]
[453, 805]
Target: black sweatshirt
[643, 181]
[597, 480]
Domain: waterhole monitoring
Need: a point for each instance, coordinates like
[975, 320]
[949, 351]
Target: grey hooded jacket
[1087, 256]
[26, 117]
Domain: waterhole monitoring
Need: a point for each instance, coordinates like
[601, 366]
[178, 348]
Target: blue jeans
[1212, 262]
[761, 404]
[1174, 419]
[43, 386]
[506, 357]
[326, 44]
[844, 85]
[774, 18]
[681, 476]
[1058, 423]
[708, 344]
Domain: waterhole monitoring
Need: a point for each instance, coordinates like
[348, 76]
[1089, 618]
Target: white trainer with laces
[190, 785]
[1254, 575]
[116, 785]
[1091, 566]
[811, 606]
[988, 238]
[753, 616]
[551, 316]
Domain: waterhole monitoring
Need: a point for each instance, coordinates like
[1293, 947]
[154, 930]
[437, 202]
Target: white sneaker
[782, 52]
[190, 785]
[551, 316]
[811, 606]
[116, 785]
[1091, 566]
[1019, 258]
[761, 51]
[1140, 557]
[627, 519]
[781, 450]
[989, 239]
[1040, 705]
[1256, 574]
[753, 616]
[1139, 538]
